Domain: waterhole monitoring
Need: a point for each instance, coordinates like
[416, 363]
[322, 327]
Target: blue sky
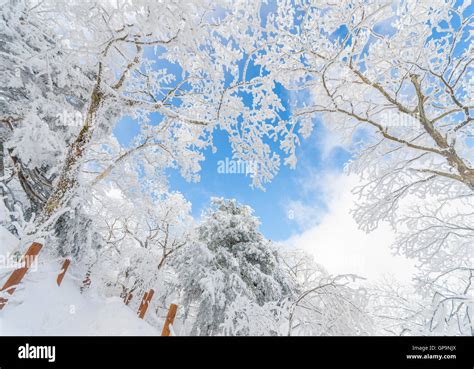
[273, 205]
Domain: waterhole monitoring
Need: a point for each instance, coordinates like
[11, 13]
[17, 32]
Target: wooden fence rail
[28, 259]
[18, 274]
[145, 302]
[169, 320]
[66, 264]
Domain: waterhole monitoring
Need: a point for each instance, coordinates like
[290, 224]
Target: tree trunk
[2, 165]
[67, 181]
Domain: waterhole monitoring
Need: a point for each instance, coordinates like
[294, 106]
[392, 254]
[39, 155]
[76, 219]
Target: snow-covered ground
[40, 307]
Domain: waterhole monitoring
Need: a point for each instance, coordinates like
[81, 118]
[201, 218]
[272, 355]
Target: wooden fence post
[169, 319]
[128, 298]
[18, 274]
[145, 302]
[86, 282]
[63, 271]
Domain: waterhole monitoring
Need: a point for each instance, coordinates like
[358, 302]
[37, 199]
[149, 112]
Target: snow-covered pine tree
[229, 261]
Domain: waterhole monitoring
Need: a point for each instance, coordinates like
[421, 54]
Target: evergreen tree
[229, 261]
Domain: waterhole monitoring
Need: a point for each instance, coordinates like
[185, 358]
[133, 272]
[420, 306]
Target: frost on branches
[324, 304]
[72, 70]
[396, 80]
[228, 269]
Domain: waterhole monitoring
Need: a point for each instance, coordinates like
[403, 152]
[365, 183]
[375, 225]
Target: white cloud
[338, 244]
[305, 216]
[330, 140]
[315, 189]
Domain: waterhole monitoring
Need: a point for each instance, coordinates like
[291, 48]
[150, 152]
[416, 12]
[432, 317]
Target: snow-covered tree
[71, 70]
[140, 236]
[229, 269]
[40, 85]
[397, 310]
[395, 79]
[74, 69]
[324, 305]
